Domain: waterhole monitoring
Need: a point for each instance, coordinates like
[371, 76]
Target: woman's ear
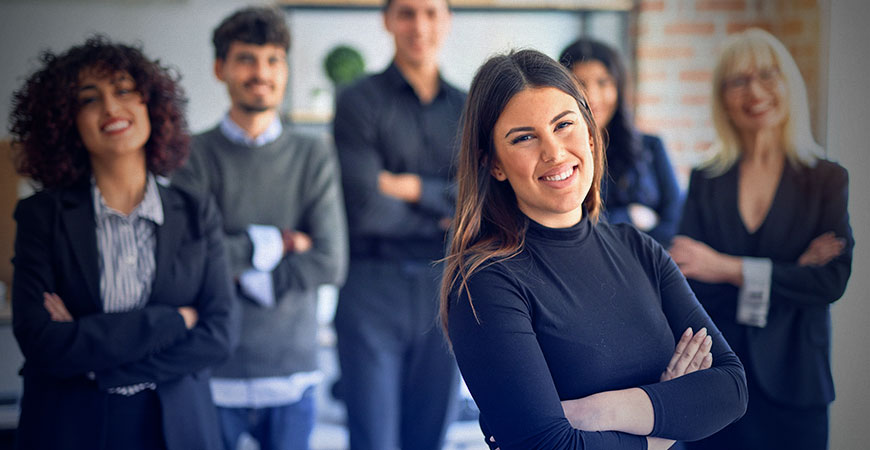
[497, 171]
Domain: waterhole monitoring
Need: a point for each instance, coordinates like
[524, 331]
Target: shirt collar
[150, 208]
[238, 135]
[398, 81]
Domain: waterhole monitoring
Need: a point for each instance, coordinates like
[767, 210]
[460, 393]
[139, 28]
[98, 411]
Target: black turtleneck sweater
[583, 310]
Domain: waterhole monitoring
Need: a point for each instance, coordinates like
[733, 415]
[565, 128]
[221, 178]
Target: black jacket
[56, 251]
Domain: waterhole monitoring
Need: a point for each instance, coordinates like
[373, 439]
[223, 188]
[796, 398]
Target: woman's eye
[86, 100]
[523, 138]
[564, 124]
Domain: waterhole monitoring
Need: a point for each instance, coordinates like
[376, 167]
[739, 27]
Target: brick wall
[676, 43]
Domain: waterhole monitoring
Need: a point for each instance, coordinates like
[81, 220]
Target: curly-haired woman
[121, 295]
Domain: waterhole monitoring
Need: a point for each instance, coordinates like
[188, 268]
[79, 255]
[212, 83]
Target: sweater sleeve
[699, 404]
[324, 222]
[369, 212]
[505, 370]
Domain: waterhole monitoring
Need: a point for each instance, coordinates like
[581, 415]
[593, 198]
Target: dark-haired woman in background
[767, 245]
[544, 304]
[640, 187]
[121, 296]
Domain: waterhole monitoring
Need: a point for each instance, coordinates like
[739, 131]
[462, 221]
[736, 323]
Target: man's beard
[253, 109]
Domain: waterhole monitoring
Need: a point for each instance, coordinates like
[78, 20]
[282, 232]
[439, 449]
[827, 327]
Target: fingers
[189, 315]
[822, 250]
[700, 356]
[55, 307]
[681, 348]
[302, 242]
[691, 357]
[708, 361]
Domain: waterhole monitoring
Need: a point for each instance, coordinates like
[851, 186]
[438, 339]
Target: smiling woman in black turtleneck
[570, 333]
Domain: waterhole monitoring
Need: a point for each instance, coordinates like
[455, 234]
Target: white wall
[176, 31]
[848, 142]
[473, 37]
[179, 33]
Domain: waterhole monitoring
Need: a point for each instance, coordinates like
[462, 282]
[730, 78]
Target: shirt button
[130, 259]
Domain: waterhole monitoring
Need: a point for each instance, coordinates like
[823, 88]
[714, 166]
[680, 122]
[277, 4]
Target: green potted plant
[343, 64]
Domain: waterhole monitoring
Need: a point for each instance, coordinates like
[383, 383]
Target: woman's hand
[700, 262]
[55, 307]
[654, 443]
[691, 355]
[190, 316]
[643, 217]
[822, 250]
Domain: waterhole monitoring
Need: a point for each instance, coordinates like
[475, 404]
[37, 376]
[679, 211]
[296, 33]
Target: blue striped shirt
[126, 247]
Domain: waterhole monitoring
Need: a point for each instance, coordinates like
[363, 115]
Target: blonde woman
[766, 244]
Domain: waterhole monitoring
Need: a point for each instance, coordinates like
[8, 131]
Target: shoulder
[828, 170]
[498, 272]
[206, 138]
[206, 144]
[651, 141]
[622, 233]
[315, 149]
[629, 243]
[40, 203]
[368, 91]
[701, 176]
[453, 92]
[198, 207]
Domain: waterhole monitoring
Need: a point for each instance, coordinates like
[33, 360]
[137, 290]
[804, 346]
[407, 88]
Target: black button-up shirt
[381, 124]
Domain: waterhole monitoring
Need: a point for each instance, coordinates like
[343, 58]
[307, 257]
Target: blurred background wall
[670, 44]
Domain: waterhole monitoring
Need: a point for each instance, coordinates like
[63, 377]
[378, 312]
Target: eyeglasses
[740, 83]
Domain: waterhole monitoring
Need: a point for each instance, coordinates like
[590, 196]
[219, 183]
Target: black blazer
[62, 407]
[790, 357]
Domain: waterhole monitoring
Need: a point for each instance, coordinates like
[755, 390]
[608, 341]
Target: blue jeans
[286, 427]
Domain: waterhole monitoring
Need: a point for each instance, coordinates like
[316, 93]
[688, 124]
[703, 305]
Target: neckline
[561, 236]
[773, 201]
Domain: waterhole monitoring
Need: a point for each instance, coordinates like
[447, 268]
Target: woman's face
[544, 150]
[756, 99]
[112, 118]
[600, 87]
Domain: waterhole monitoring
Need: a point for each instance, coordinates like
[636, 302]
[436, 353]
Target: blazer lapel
[169, 237]
[80, 227]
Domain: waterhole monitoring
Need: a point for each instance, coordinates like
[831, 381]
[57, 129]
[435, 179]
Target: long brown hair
[488, 225]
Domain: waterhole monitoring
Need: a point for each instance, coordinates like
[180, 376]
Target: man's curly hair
[48, 147]
[258, 25]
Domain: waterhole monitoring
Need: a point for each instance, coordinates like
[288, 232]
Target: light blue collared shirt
[236, 134]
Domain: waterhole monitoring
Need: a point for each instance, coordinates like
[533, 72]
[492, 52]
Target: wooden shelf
[504, 5]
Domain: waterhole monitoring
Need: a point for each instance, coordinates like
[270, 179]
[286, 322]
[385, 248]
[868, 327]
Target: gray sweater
[292, 183]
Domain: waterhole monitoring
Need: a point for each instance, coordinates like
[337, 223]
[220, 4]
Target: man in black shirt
[396, 133]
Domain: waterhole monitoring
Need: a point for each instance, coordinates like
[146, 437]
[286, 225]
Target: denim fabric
[285, 427]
